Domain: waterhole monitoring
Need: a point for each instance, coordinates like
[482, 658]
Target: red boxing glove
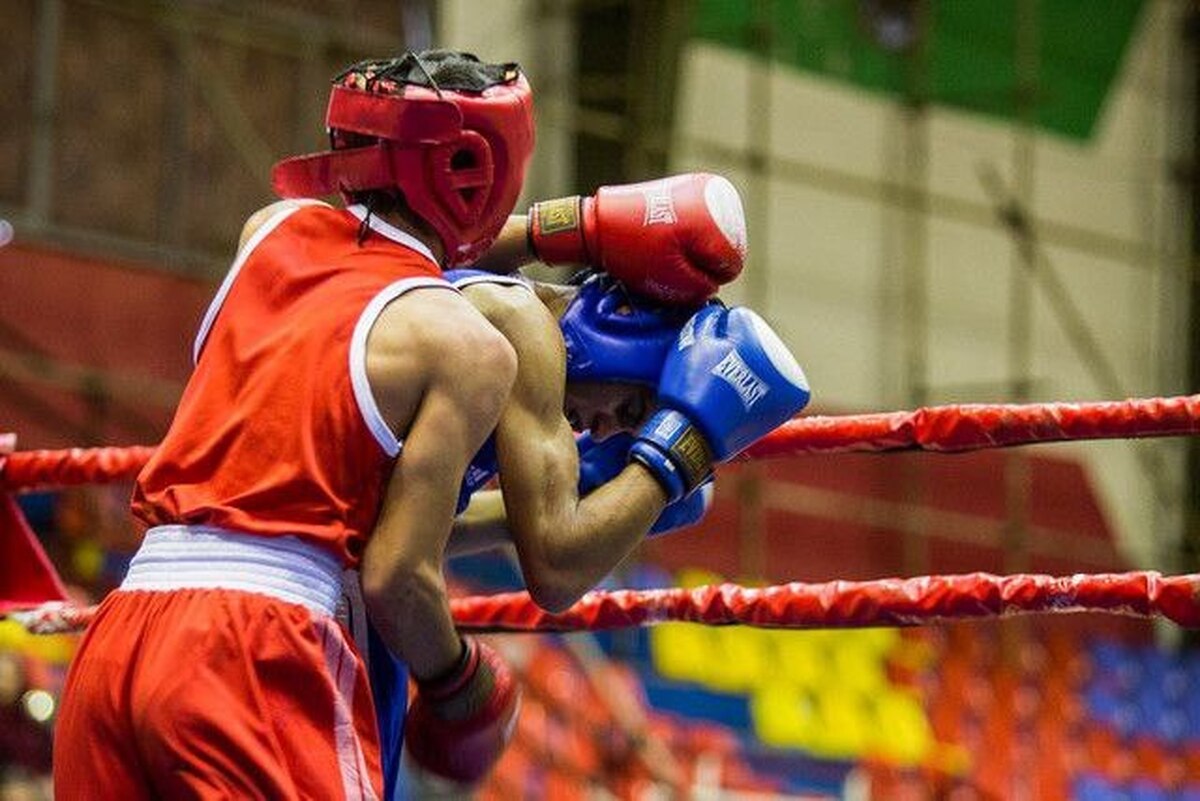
[460, 723]
[676, 240]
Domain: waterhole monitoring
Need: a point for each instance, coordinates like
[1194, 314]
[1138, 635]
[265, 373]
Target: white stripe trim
[358, 359]
[179, 557]
[343, 670]
[504, 280]
[210, 315]
[389, 231]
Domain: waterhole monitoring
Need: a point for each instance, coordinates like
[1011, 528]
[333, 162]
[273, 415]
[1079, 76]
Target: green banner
[968, 52]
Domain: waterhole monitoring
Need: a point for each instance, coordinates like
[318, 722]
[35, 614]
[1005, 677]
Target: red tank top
[277, 431]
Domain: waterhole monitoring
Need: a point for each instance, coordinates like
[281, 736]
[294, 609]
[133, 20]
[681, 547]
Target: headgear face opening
[611, 336]
[456, 149]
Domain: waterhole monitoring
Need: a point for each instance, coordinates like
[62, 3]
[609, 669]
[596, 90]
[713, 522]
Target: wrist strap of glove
[455, 677]
[675, 451]
[556, 233]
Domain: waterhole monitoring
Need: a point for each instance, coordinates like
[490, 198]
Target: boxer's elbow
[553, 584]
[554, 596]
[402, 590]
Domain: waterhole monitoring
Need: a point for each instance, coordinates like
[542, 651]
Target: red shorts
[206, 692]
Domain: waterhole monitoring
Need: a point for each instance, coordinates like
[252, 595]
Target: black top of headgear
[414, 70]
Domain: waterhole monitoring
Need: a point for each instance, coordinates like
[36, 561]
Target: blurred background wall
[948, 202]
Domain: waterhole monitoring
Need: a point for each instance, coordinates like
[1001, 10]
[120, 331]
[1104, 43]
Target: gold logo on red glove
[555, 216]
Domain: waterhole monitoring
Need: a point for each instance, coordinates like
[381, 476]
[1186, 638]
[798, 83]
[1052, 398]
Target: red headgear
[457, 154]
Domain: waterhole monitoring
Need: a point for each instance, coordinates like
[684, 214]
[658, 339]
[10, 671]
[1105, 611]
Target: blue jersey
[480, 471]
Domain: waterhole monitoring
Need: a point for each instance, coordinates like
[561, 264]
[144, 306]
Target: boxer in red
[341, 388]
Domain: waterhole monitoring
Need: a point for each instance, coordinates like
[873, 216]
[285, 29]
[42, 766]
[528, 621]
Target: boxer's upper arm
[539, 464]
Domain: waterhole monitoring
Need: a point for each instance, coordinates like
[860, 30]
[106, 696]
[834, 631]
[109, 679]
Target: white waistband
[203, 557]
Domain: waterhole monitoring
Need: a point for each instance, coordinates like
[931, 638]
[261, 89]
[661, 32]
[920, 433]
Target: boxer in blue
[615, 350]
[658, 394]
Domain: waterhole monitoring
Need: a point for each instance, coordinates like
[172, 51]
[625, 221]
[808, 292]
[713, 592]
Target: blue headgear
[612, 336]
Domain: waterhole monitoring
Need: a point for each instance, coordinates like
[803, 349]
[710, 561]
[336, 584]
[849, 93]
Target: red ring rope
[45, 469]
[834, 604]
[934, 428]
[966, 427]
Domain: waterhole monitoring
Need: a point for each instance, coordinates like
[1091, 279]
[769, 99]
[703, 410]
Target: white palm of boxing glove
[729, 381]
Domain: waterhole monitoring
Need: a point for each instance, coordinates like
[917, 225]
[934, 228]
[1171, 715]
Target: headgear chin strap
[458, 154]
[611, 336]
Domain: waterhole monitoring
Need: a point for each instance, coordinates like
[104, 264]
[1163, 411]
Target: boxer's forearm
[510, 251]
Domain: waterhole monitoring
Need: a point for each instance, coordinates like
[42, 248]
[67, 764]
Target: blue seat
[1093, 787]
[1116, 666]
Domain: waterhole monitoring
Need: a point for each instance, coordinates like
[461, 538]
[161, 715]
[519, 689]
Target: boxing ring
[834, 604]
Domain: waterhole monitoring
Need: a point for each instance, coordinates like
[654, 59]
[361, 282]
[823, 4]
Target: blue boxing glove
[687, 511]
[600, 462]
[728, 382]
